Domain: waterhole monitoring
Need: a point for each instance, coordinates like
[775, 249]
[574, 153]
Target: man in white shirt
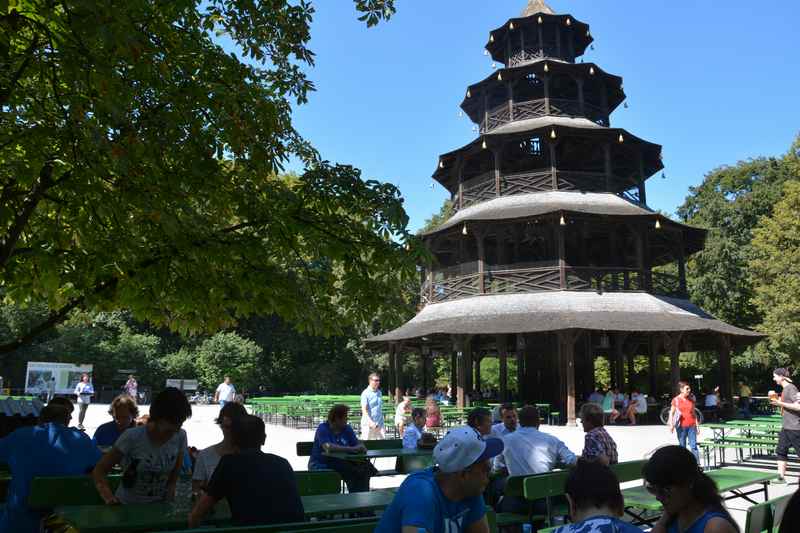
[84, 391]
[529, 451]
[508, 415]
[226, 392]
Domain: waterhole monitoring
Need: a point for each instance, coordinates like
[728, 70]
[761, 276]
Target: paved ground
[635, 442]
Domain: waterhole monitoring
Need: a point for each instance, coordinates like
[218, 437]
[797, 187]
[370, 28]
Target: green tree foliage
[139, 170]
[775, 273]
[445, 212]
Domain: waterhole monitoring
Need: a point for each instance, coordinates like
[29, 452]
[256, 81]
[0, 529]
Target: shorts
[788, 438]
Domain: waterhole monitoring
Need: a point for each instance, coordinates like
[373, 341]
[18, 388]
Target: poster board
[39, 375]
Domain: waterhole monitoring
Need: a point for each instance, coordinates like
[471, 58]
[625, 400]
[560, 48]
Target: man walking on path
[372, 426]
[226, 392]
[84, 391]
[789, 436]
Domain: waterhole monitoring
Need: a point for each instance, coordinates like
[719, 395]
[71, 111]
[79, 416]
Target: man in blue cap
[448, 497]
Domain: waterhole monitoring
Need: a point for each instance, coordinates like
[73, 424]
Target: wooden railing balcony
[483, 187]
[447, 284]
[558, 107]
[534, 53]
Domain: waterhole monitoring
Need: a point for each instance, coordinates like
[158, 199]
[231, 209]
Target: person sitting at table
[596, 397]
[433, 415]
[261, 488]
[637, 406]
[336, 435]
[690, 498]
[598, 444]
[124, 411]
[530, 451]
[403, 408]
[413, 432]
[446, 498]
[711, 400]
[208, 458]
[608, 407]
[50, 448]
[595, 500]
[151, 455]
[508, 424]
[480, 419]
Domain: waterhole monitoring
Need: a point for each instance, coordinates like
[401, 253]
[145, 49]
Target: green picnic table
[381, 454]
[162, 516]
[728, 480]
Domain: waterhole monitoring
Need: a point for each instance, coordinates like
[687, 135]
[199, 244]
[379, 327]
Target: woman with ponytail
[690, 498]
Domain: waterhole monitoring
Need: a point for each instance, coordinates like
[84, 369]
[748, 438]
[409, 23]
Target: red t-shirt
[686, 408]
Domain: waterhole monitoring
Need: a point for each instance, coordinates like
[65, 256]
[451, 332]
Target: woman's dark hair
[476, 415]
[791, 514]
[170, 405]
[338, 412]
[248, 432]
[593, 484]
[231, 410]
[675, 465]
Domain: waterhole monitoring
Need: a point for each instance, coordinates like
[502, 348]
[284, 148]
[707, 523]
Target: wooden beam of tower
[398, 372]
[566, 347]
[724, 350]
[391, 378]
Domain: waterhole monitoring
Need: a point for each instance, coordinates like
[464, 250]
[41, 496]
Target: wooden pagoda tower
[553, 256]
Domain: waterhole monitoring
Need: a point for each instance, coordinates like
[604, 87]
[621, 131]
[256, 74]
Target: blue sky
[713, 82]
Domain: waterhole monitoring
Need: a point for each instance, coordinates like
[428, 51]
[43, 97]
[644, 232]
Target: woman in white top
[403, 408]
[208, 459]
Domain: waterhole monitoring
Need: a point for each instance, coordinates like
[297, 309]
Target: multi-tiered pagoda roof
[552, 250]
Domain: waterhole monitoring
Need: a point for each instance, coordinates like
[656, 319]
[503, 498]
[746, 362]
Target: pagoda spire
[537, 6]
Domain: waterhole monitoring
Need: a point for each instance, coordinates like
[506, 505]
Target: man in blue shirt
[48, 449]
[336, 436]
[372, 426]
[447, 498]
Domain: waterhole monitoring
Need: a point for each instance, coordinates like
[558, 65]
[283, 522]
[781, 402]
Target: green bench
[49, 492]
[766, 516]
[349, 525]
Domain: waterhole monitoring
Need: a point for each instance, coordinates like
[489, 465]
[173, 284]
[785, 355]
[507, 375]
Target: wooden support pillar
[469, 383]
[424, 358]
[551, 147]
[521, 344]
[462, 374]
[581, 97]
[453, 373]
[502, 349]
[479, 236]
[608, 167]
[391, 378]
[478, 361]
[672, 343]
[619, 356]
[497, 169]
[399, 385]
[653, 368]
[726, 377]
[562, 253]
[566, 348]
[546, 82]
[631, 372]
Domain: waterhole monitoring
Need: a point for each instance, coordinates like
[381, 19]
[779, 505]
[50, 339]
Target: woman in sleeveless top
[690, 498]
[433, 416]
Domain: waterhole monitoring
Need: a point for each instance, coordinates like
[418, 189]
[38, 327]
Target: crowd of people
[472, 464]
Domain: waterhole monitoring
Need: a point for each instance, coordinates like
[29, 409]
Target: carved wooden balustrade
[559, 107]
[532, 53]
[483, 187]
[516, 279]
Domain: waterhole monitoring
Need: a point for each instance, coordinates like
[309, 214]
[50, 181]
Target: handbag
[676, 418]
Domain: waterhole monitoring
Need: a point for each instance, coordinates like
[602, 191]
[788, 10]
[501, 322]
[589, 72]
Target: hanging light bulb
[486, 52]
[491, 38]
[511, 26]
[499, 76]
[483, 144]
[663, 175]
[546, 68]
[625, 105]
[460, 113]
[569, 21]
[464, 230]
[562, 222]
[494, 65]
[539, 20]
[591, 71]
[588, 33]
[441, 164]
[407, 246]
[469, 93]
[553, 133]
[591, 47]
[658, 224]
[621, 138]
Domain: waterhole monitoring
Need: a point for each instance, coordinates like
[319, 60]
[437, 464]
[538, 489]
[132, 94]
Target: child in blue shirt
[336, 435]
[414, 432]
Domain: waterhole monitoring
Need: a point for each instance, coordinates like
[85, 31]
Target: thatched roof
[537, 6]
[560, 310]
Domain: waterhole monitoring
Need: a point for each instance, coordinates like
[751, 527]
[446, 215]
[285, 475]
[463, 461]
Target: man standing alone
[372, 426]
[84, 391]
[789, 436]
[226, 392]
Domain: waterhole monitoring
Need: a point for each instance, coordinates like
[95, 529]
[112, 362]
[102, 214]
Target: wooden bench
[349, 525]
[49, 492]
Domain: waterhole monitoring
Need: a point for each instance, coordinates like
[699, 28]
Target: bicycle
[664, 415]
